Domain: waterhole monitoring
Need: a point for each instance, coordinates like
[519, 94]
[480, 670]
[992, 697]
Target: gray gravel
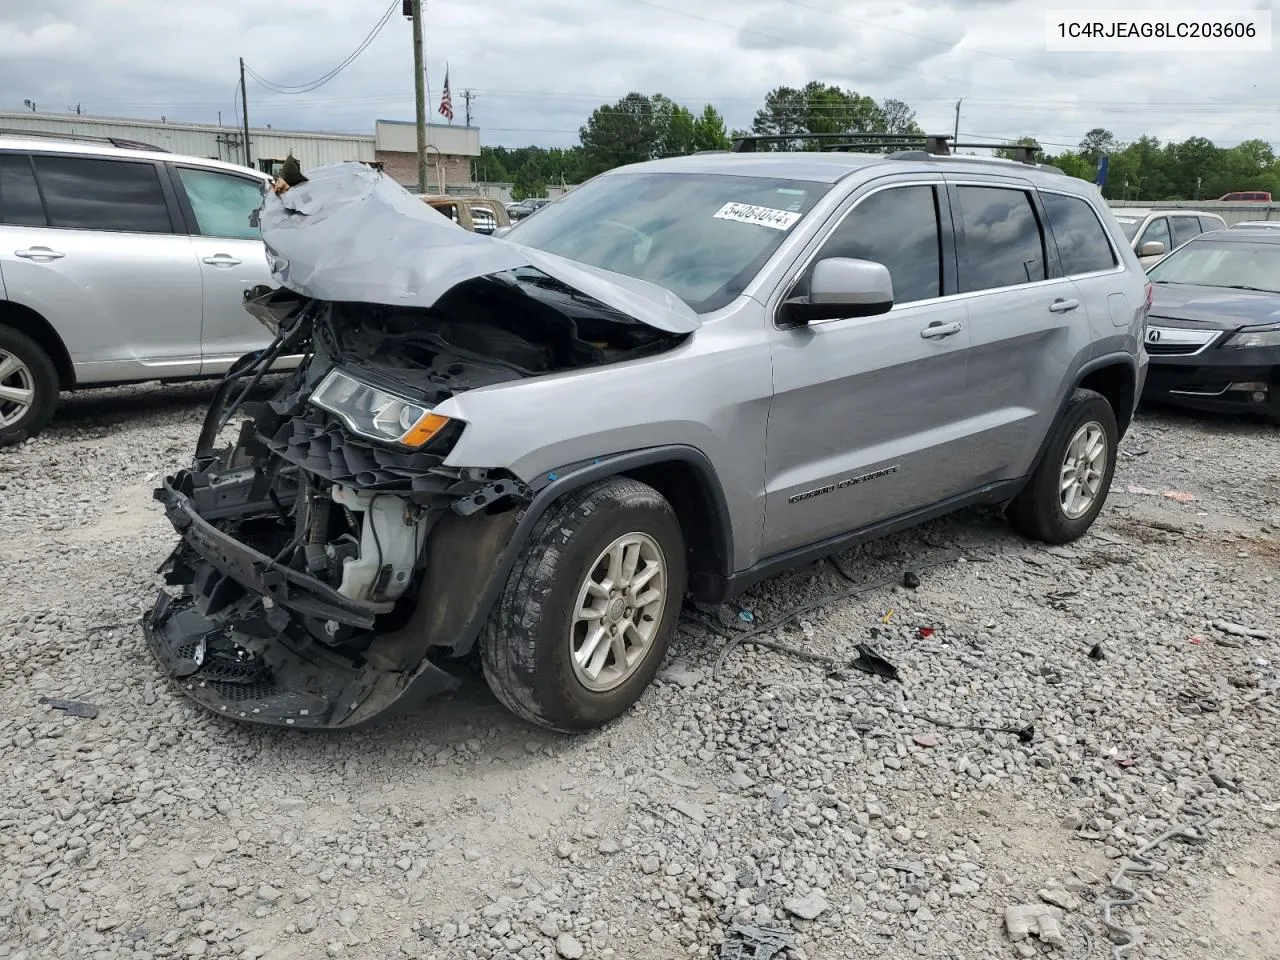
[862, 817]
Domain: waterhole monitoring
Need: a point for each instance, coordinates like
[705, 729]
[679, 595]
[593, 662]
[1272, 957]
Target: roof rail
[122, 143]
[912, 146]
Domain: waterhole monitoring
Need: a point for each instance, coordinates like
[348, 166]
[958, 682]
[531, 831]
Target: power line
[297, 88]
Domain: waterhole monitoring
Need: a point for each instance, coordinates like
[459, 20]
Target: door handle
[937, 330]
[221, 260]
[1062, 306]
[39, 253]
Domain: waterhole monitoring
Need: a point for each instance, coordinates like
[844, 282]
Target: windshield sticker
[761, 216]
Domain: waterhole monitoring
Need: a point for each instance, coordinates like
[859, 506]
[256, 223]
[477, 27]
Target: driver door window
[899, 228]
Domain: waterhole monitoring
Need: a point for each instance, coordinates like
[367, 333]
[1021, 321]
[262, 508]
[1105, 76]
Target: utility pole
[244, 110]
[467, 97]
[955, 136]
[420, 94]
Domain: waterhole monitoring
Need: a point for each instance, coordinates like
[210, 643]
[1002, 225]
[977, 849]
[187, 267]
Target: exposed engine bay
[317, 575]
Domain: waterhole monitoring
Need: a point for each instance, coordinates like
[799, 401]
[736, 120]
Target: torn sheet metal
[350, 233]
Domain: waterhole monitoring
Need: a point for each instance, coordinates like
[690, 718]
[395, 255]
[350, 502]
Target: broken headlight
[376, 414]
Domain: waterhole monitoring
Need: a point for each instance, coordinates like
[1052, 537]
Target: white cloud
[539, 69]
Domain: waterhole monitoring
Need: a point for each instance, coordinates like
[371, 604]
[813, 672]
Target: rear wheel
[585, 618]
[28, 387]
[1068, 489]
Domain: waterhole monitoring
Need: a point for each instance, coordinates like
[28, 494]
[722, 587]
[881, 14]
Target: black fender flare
[1117, 358]
[516, 526]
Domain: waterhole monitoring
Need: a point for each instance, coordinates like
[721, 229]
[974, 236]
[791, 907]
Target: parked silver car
[680, 378]
[119, 265]
[1155, 233]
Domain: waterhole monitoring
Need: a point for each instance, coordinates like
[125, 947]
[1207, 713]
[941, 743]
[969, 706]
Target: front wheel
[588, 611]
[28, 387]
[1069, 487]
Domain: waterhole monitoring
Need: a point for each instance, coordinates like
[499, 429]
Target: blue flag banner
[1101, 178]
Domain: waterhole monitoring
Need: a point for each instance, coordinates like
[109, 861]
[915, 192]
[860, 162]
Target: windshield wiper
[1245, 286]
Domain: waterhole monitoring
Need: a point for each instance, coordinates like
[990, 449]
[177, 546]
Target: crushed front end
[330, 562]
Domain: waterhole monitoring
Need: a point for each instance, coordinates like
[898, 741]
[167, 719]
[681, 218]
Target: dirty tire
[525, 648]
[1037, 512]
[44, 382]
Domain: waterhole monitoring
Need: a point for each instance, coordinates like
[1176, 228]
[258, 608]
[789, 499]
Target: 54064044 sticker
[761, 216]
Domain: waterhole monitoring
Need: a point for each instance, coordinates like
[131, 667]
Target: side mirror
[841, 287]
[1152, 248]
[500, 232]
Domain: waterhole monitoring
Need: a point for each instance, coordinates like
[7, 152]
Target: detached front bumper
[251, 653]
[1245, 381]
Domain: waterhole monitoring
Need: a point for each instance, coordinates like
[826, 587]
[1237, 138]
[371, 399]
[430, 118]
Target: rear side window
[1003, 246]
[899, 228]
[115, 195]
[1184, 229]
[19, 199]
[1208, 223]
[1081, 238]
[222, 203]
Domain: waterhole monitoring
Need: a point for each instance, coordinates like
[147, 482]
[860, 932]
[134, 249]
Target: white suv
[1155, 233]
[119, 265]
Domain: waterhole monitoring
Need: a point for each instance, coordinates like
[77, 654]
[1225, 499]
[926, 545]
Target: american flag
[446, 99]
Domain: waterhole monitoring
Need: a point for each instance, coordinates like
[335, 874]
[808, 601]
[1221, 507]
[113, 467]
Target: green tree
[1010, 154]
[528, 182]
[709, 130]
[1095, 143]
[620, 133]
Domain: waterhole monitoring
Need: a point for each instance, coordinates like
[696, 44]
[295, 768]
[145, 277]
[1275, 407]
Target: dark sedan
[1214, 329]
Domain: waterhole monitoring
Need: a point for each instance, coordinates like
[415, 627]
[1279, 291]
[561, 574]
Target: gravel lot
[781, 793]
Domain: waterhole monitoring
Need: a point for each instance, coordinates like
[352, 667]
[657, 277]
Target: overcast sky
[538, 67]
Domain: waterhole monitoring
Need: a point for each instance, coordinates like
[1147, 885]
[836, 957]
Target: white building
[205, 140]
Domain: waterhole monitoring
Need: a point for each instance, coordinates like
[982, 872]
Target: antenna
[467, 97]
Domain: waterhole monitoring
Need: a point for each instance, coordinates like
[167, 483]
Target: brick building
[451, 153]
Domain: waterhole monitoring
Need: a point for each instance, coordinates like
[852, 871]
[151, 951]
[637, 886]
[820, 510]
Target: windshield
[701, 236]
[1130, 226]
[1250, 266]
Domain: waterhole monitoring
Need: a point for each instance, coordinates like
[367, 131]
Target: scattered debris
[924, 633]
[868, 661]
[1142, 491]
[755, 943]
[1239, 630]
[925, 740]
[1095, 652]
[682, 675]
[809, 907]
[910, 580]
[691, 810]
[1060, 897]
[72, 708]
[1197, 640]
[1039, 920]
[1223, 783]
[887, 617]
[1125, 762]
[1180, 496]
[746, 616]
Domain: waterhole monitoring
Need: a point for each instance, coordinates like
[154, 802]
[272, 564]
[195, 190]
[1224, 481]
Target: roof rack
[120, 142]
[911, 147]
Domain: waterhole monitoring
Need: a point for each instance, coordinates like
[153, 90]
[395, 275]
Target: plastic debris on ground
[910, 580]
[755, 943]
[1180, 496]
[868, 661]
[72, 708]
[1096, 653]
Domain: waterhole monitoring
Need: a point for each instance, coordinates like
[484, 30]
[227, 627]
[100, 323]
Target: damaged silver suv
[680, 378]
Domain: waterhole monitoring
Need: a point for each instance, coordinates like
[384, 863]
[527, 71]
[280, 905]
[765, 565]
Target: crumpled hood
[1218, 307]
[350, 233]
